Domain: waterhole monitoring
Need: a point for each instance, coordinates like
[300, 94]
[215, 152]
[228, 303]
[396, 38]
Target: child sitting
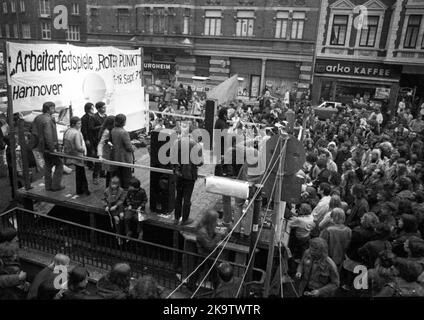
[135, 205]
[114, 197]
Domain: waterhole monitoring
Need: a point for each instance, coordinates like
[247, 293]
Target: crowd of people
[362, 202]
[62, 281]
[362, 205]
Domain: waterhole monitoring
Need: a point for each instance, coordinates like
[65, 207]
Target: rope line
[227, 236]
[264, 179]
[281, 271]
[256, 244]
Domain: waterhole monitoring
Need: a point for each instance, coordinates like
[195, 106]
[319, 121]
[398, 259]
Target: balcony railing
[100, 249]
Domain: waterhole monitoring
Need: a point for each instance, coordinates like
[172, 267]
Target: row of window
[412, 32]
[44, 5]
[13, 5]
[213, 22]
[368, 33]
[72, 34]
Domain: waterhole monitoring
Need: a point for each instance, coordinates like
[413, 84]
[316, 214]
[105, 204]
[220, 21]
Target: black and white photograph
[211, 158]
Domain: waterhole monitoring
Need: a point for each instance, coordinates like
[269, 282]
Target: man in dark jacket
[44, 129]
[186, 171]
[221, 169]
[360, 206]
[98, 120]
[90, 131]
[317, 271]
[47, 273]
[220, 132]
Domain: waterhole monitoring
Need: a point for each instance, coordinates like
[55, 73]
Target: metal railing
[100, 249]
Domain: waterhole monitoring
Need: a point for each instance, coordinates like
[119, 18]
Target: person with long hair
[335, 202]
[105, 147]
[123, 150]
[74, 145]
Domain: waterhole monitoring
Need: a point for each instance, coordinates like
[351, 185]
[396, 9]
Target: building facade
[33, 20]
[361, 51]
[267, 43]
[406, 47]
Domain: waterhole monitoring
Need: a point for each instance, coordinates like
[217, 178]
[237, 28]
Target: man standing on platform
[99, 118]
[91, 138]
[190, 157]
[44, 129]
[221, 133]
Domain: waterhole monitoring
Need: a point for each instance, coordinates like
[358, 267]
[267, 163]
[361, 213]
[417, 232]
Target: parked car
[327, 109]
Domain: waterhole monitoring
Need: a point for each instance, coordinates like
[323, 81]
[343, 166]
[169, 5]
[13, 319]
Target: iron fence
[101, 249]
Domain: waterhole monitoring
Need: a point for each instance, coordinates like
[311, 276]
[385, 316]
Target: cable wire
[230, 233]
[256, 243]
[245, 212]
[281, 271]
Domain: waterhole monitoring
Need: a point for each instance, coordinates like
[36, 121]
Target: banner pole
[12, 130]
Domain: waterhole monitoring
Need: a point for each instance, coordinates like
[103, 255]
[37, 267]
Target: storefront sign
[382, 93]
[254, 86]
[160, 66]
[358, 69]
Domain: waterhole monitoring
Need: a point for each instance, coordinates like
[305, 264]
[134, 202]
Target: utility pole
[254, 234]
[12, 128]
[279, 208]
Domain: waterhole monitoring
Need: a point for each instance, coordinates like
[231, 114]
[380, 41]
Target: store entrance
[412, 89]
[354, 93]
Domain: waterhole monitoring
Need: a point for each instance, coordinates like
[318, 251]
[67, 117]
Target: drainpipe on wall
[314, 58]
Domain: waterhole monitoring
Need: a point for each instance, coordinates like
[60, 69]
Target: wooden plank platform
[92, 204]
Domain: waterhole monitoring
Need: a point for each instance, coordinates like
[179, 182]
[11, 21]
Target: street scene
[208, 149]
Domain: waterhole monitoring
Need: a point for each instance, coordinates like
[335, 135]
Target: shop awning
[226, 91]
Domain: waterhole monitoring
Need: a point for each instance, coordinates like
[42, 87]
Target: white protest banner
[73, 75]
